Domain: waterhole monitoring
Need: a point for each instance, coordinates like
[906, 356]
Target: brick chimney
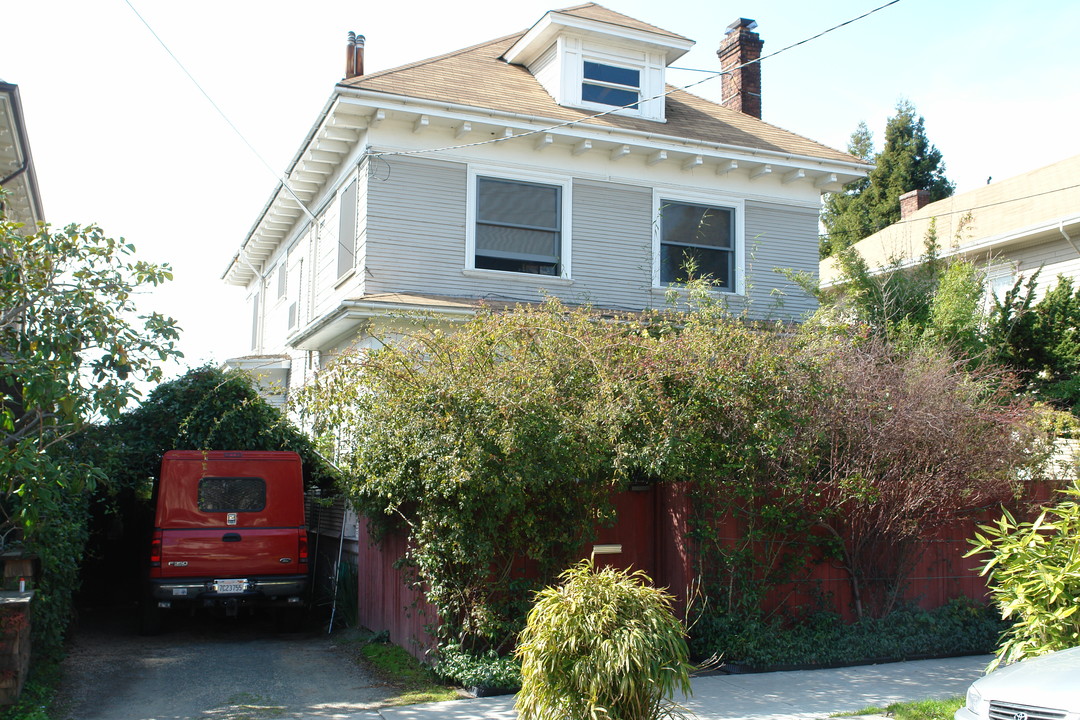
[354, 56]
[912, 202]
[741, 83]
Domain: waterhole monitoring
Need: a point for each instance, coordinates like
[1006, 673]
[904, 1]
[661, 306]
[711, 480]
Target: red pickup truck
[229, 533]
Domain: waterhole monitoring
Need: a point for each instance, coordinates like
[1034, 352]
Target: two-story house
[552, 161]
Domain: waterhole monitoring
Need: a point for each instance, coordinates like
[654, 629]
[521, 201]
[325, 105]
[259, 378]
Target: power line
[220, 112]
[570, 123]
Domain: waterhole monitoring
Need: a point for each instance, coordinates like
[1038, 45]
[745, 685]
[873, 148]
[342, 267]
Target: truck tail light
[155, 549]
[303, 551]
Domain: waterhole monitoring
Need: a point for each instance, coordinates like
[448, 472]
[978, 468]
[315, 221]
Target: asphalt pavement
[794, 695]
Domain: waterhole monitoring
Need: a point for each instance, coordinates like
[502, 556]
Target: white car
[1046, 687]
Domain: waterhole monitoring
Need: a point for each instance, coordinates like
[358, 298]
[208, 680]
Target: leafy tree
[843, 214]
[72, 349]
[907, 162]
[207, 408]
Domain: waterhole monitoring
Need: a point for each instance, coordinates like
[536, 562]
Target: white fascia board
[1050, 229]
[230, 275]
[541, 35]
[846, 171]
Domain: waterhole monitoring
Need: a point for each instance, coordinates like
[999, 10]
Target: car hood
[1050, 681]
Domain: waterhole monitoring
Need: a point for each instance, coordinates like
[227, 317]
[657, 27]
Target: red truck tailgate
[230, 552]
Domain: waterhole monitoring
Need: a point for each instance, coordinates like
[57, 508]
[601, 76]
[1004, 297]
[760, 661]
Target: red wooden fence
[650, 535]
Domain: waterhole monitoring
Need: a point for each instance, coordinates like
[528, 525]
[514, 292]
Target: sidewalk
[797, 695]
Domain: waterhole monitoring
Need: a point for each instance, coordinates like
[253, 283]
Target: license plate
[230, 587]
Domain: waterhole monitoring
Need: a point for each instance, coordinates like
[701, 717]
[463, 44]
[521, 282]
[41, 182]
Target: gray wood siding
[779, 236]
[612, 245]
[416, 227]
[415, 243]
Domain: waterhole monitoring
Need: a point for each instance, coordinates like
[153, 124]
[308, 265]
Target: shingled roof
[478, 77]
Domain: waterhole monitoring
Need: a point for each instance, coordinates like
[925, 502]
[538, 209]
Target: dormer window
[611, 85]
[591, 58]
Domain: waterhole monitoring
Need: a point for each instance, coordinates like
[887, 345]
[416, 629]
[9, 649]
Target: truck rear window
[232, 494]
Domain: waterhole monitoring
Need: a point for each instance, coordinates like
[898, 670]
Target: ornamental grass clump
[602, 644]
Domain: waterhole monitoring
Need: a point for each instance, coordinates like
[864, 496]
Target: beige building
[1013, 227]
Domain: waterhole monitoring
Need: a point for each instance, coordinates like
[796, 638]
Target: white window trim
[575, 52]
[502, 173]
[661, 194]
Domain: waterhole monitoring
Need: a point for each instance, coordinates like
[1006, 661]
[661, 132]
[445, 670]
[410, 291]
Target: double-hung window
[610, 85]
[518, 226]
[698, 240]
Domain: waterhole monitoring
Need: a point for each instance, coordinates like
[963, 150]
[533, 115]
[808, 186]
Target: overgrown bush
[1034, 577]
[491, 444]
[603, 643]
[496, 446]
[960, 627]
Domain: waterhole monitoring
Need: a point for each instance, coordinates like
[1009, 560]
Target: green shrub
[490, 670]
[958, 628]
[603, 642]
[1034, 571]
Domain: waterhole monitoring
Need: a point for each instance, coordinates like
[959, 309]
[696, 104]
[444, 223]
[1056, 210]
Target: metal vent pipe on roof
[354, 56]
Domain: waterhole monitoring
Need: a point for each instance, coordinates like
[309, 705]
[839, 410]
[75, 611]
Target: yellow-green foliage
[1034, 571]
[602, 644]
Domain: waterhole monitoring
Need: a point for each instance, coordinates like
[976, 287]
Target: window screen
[232, 494]
[518, 226]
[699, 235]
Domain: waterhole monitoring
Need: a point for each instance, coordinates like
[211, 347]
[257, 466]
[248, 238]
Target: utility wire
[221, 112]
[283, 181]
[570, 123]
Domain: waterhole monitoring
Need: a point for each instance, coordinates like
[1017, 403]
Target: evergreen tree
[907, 162]
[844, 214]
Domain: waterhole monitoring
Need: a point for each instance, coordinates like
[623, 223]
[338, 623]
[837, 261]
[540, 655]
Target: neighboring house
[553, 161]
[1012, 228]
[17, 177]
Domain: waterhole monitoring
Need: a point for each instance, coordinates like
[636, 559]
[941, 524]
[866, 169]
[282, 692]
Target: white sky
[121, 137]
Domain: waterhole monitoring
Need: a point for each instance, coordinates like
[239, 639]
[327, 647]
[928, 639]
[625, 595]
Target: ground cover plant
[959, 628]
